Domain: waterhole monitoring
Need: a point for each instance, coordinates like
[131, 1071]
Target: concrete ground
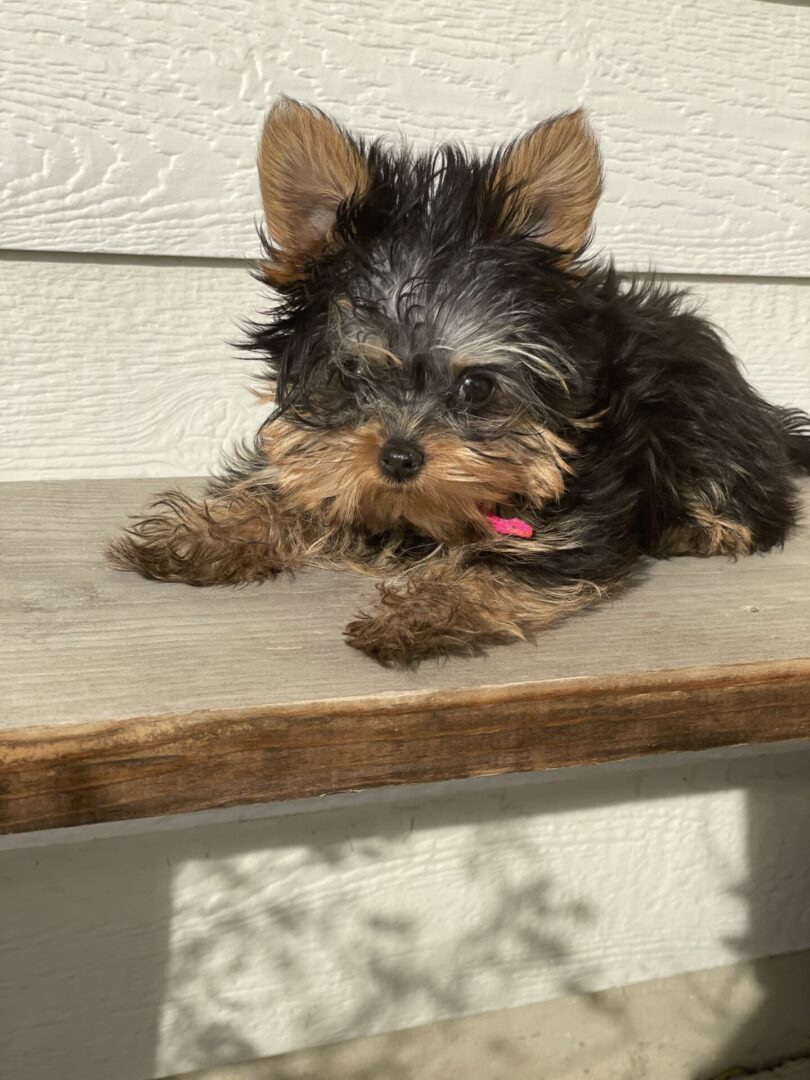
[691, 1027]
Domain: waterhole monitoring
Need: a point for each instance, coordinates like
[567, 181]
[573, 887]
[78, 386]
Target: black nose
[401, 459]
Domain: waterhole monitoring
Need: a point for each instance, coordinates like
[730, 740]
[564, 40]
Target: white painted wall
[130, 129]
[133, 128]
[146, 950]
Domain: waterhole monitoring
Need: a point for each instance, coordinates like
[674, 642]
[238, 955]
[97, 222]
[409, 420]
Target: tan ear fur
[307, 167]
[553, 175]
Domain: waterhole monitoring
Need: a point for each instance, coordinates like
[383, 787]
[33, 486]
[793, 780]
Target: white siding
[132, 127]
[123, 370]
[149, 954]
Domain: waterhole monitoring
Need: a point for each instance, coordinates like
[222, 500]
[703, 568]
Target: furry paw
[184, 541]
[403, 635]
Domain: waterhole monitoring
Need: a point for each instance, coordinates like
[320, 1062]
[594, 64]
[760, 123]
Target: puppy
[466, 406]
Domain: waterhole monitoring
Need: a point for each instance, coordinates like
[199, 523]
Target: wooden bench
[123, 698]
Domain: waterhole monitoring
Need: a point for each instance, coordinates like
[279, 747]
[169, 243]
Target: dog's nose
[401, 459]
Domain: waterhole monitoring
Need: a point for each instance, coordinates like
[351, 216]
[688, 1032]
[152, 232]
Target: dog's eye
[475, 387]
[349, 372]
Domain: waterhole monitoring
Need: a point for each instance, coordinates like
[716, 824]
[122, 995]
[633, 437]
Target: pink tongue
[509, 526]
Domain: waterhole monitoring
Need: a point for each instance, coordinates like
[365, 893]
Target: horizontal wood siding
[132, 128]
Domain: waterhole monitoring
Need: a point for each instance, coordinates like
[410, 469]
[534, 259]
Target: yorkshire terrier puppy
[467, 407]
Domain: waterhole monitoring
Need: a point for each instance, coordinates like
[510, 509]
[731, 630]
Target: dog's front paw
[395, 640]
[186, 541]
[434, 614]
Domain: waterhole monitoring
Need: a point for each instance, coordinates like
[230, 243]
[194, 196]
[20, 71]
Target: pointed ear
[551, 180]
[307, 167]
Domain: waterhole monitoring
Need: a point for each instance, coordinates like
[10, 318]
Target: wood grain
[133, 128]
[162, 765]
[130, 373]
[126, 698]
[161, 394]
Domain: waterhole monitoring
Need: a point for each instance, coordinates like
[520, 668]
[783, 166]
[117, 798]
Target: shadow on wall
[84, 936]
[351, 933]
[776, 891]
[387, 915]
[158, 953]
[144, 954]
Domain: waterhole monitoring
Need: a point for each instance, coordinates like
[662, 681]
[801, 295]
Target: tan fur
[445, 607]
[216, 541]
[307, 167]
[305, 509]
[555, 173]
[706, 531]
[438, 606]
[371, 351]
[337, 476]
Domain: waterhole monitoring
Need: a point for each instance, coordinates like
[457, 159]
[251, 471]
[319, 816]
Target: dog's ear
[307, 166]
[550, 181]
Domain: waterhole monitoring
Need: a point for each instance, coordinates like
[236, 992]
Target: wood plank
[163, 394]
[133, 129]
[128, 698]
[113, 646]
[146, 767]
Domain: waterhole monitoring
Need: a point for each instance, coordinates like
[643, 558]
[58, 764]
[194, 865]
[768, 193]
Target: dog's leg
[223, 539]
[444, 608]
[708, 525]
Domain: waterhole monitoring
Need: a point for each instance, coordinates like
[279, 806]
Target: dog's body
[441, 354]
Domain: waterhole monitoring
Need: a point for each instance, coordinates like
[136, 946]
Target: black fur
[426, 249]
[426, 302]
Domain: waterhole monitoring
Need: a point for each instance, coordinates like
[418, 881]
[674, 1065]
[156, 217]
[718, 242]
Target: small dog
[465, 405]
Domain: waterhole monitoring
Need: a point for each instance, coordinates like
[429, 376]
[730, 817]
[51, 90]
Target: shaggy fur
[440, 347]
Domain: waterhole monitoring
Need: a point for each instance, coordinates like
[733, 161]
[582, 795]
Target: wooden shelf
[123, 698]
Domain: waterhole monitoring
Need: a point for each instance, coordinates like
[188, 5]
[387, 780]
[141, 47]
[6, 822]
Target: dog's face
[430, 351]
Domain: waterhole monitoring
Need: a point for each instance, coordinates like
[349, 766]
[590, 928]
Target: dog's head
[429, 351]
